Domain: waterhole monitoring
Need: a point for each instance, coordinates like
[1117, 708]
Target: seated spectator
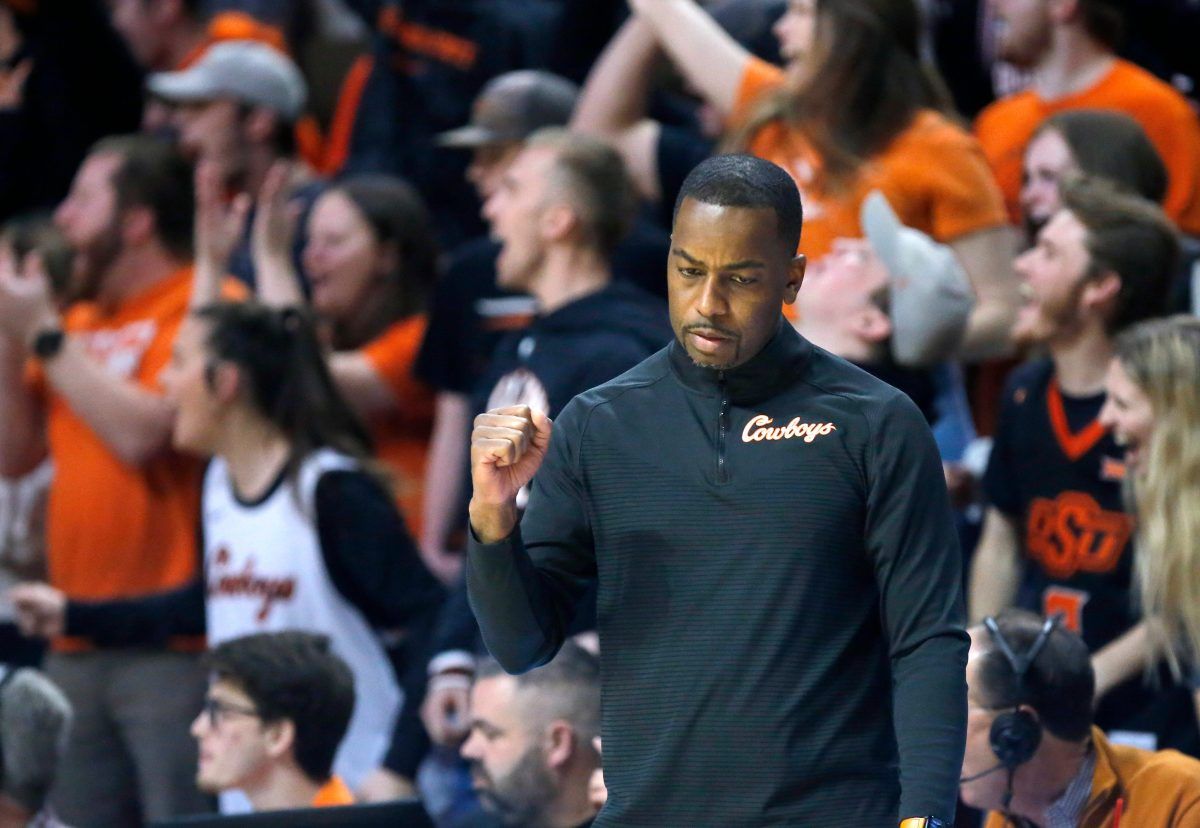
[1033, 755]
[1153, 409]
[1056, 536]
[34, 720]
[1070, 49]
[235, 110]
[855, 110]
[1092, 142]
[531, 744]
[276, 711]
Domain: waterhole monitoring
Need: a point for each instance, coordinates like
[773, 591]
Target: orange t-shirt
[933, 174]
[402, 436]
[113, 530]
[333, 793]
[1005, 127]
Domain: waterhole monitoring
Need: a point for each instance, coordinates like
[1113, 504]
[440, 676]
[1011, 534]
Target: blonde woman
[1153, 408]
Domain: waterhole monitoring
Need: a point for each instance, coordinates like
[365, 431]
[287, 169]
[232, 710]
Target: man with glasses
[277, 707]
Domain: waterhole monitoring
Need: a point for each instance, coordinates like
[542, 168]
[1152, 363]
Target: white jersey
[266, 573]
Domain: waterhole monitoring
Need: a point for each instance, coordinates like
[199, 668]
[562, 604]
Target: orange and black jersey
[1057, 472]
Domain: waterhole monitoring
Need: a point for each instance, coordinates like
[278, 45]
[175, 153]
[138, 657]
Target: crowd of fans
[263, 261]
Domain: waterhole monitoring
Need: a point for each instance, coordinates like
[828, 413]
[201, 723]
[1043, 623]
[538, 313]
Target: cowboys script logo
[759, 428]
[225, 581]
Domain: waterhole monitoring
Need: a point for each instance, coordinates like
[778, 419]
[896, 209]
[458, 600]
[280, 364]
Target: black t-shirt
[679, 151]
[1057, 472]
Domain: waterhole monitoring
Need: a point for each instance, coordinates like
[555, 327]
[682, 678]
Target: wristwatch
[923, 822]
[48, 342]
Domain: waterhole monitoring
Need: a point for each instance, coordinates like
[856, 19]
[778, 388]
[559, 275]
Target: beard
[93, 260]
[1049, 320]
[520, 796]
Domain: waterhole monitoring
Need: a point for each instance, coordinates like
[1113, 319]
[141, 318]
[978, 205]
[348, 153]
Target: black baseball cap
[513, 106]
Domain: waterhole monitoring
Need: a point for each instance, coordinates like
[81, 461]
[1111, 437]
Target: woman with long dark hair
[856, 109]
[299, 531]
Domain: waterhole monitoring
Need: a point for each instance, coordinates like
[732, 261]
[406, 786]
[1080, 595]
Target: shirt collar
[1068, 808]
[777, 365]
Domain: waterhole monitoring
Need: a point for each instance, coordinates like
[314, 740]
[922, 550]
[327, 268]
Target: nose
[712, 303]
[1021, 264]
[470, 748]
[491, 207]
[1108, 414]
[199, 725]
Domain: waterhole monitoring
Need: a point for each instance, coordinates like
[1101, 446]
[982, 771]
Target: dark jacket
[778, 571]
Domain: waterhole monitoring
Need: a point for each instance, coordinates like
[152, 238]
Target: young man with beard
[1069, 46]
[121, 521]
[771, 540]
[530, 746]
[1056, 538]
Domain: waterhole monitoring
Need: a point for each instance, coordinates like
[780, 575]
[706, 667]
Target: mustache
[708, 326]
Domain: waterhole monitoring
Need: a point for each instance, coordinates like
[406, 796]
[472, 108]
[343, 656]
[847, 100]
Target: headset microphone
[981, 774]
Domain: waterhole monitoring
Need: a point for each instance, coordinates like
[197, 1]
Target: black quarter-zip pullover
[779, 602]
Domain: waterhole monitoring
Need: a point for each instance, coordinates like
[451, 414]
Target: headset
[1016, 733]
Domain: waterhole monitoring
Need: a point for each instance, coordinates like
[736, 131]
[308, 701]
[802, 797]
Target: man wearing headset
[1033, 756]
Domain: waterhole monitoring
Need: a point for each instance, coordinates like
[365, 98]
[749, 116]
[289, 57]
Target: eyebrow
[744, 264]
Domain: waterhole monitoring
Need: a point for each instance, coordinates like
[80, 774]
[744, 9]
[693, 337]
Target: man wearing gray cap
[235, 110]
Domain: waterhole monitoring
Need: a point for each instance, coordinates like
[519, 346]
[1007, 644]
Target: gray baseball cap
[248, 71]
[513, 106]
[929, 292]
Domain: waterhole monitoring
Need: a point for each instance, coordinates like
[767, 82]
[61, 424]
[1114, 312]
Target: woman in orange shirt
[855, 110]
[370, 261]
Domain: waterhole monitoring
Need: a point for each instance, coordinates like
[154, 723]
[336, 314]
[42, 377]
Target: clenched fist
[507, 447]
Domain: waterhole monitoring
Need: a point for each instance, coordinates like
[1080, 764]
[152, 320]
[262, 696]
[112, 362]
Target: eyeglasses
[218, 711]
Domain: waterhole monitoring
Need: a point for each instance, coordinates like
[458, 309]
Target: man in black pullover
[778, 605]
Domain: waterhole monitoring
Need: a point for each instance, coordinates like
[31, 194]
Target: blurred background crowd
[263, 261]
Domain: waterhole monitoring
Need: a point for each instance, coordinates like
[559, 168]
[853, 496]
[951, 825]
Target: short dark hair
[567, 688]
[747, 181]
[293, 676]
[596, 181]
[1104, 21]
[1059, 684]
[1131, 237]
[1111, 145]
[153, 174]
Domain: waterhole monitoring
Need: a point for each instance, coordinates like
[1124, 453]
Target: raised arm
[133, 422]
[277, 282]
[710, 60]
[525, 582]
[996, 567]
[217, 230]
[987, 257]
[613, 103]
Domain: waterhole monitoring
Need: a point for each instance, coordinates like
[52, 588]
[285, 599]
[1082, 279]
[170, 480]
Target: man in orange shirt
[276, 711]
[1033, 756]
[121, 518]
[1068, 46]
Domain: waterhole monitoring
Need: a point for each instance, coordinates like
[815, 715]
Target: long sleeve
[911, 538]
[149, 620]
[369, 553]
[524, 590]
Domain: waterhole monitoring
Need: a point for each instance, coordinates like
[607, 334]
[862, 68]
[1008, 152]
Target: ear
[560, 744]
[557, 222]
[258, 125]
[1100, 293]
[138, 225]
[388, 259]
[280, 738]
[1062, 11]
[795, 278]
[225, 380]
[871, 325]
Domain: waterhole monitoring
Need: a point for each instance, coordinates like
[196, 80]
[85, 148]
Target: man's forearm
[930, 709]
[1121, 659]
[132, 421]
[996, 569]
[517, 616]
